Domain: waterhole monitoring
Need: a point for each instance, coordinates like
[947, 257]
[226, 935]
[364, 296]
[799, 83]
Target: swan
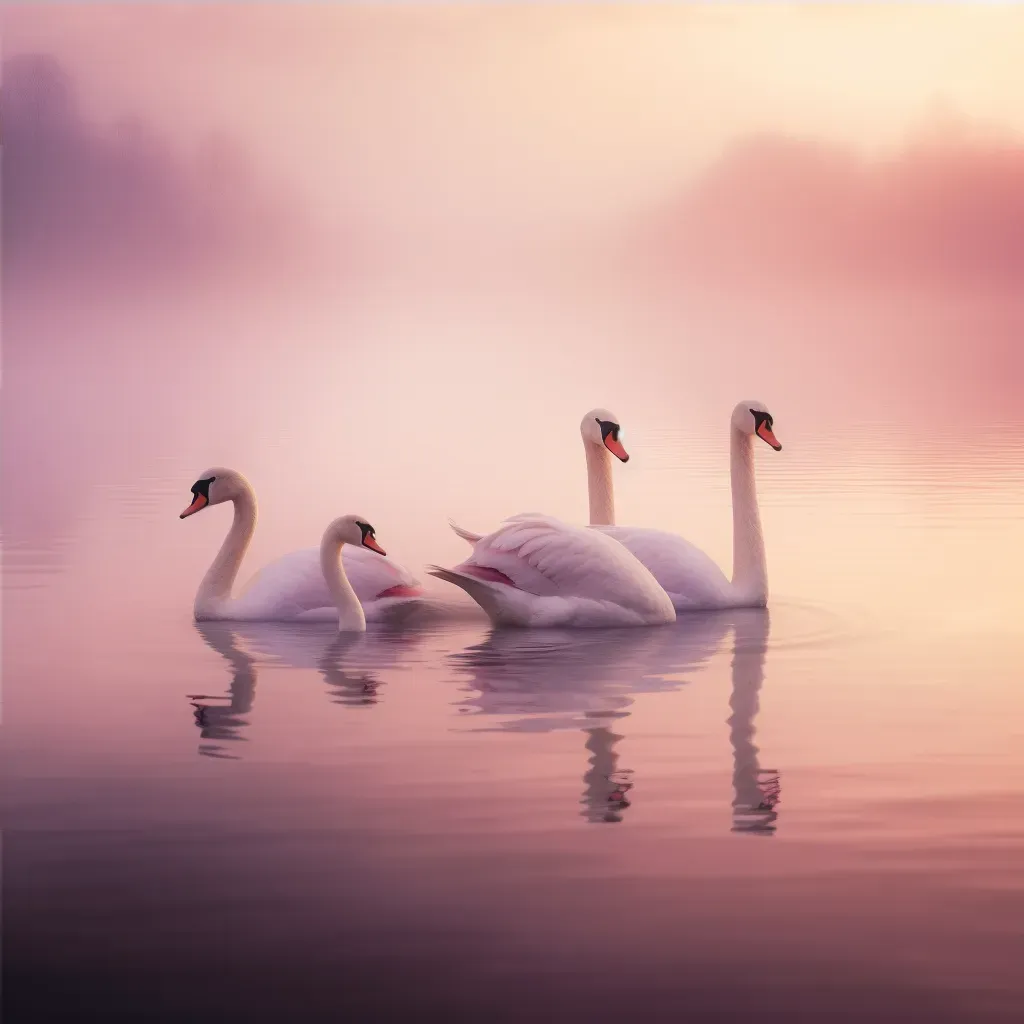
[537, 571]
[354, 530]
[690, 577]
[293, 586]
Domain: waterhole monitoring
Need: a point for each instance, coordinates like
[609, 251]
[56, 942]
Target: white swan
[354, 530]
[538, 571]
[690, 577]
[293, 586]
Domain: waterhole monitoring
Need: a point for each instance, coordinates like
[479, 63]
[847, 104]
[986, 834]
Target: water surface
[813, 812]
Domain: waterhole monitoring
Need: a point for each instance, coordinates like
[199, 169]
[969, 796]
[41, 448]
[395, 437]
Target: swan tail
[483, 593]
[466, 535]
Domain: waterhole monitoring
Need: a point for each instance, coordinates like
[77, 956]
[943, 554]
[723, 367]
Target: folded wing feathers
[561, 553]
[580, 566]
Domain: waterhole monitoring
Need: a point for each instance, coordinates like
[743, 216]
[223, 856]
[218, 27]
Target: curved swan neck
[216, 585]
[749, 570]
[599, 485]
[351, 618]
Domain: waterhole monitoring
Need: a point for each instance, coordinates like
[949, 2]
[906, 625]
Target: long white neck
[215, 588]
[599, 485]
[749, 570]
[351, 618]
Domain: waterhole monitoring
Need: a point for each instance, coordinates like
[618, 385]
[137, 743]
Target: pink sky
[465, 115]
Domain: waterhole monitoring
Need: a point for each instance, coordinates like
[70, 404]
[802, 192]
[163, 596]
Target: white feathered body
[690, 577]
[293, 587]
[557, 575]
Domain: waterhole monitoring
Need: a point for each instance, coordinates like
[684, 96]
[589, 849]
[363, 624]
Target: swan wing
[690, 577]
[294, 583]
[471, 537]
[556, 573]
[371, 574]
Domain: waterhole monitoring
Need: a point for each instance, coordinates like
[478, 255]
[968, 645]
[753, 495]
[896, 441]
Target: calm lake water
[814, 812]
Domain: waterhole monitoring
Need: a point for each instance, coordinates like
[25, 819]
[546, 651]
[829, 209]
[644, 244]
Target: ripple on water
[33, 566]
[941, 469]
[797, 625]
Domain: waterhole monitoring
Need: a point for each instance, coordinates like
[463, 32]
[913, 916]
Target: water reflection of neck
[755, 790]
[347, 686]
[220, 721]
[604, 795]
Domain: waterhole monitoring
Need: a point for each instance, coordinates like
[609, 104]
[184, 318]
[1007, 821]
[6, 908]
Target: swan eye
[607, 427]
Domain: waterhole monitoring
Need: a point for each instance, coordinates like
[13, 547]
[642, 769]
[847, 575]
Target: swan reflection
[348, 663]
[540, 681]
[525, 681]
[543, 680]
[756, 790]
[606, 785]
[342, 663]
[223, 722]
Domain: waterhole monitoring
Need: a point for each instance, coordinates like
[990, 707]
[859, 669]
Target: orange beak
[199, 503]
[371, 543]
[615, 447]
[765, 433]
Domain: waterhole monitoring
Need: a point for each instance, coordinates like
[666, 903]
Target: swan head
[215, 486]
[753, 418]
[601, 427]
[355, 530]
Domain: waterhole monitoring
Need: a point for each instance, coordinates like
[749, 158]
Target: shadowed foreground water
[804, 814]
